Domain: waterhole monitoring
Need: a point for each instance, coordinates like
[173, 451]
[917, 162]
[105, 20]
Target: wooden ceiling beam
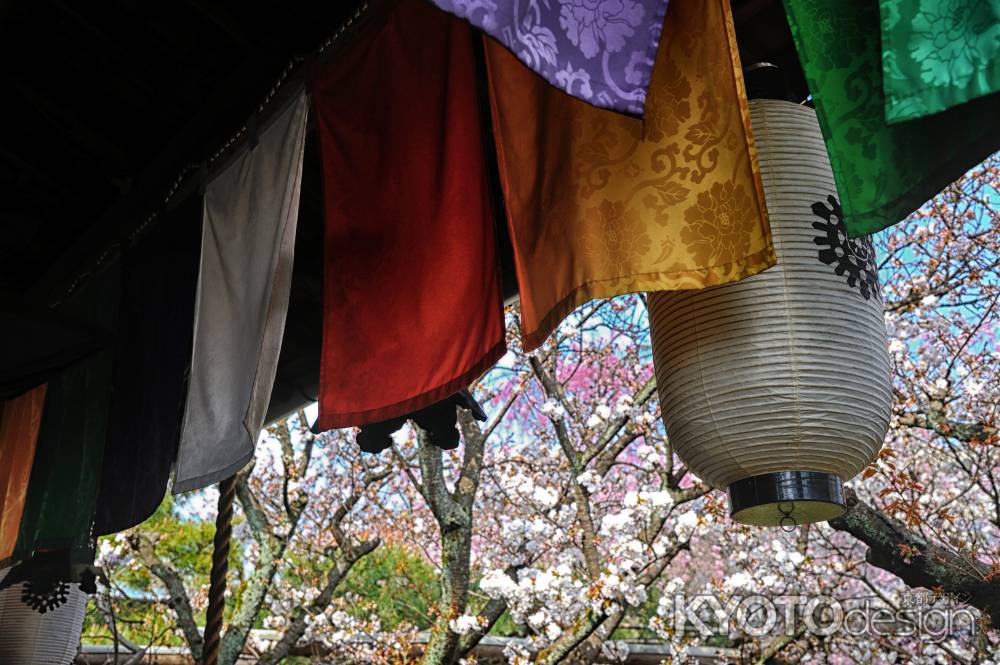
[111, 159]
[135, 56]
[225, 21]
[32, 171]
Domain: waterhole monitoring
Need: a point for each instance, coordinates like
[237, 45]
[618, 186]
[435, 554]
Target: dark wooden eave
[104, 103]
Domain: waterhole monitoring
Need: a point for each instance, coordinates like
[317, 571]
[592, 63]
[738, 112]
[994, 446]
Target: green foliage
[400, 583]
[635, 625]
[183, 541]
[505, 626]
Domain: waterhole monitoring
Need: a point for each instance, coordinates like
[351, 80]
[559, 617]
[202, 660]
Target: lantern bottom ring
[787, 497]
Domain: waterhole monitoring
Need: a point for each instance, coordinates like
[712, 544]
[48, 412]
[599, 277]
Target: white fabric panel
[248, 241]
[787, 370]
[28, 637]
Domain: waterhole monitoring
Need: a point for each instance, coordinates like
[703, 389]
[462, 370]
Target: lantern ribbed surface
[28, 637]
[787, 370]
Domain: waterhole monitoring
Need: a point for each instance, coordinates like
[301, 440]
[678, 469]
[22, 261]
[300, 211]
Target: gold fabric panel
[19, 421]
[600, 204]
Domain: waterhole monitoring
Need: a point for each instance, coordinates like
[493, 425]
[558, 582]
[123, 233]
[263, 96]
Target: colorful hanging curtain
[600, 52]
[938, 53]
[19, 421]
[413, 311]
[62, 492]
[883, 172]
[601, 204]
[248, 244]
[152, 357]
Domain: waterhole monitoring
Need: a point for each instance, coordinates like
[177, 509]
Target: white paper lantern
[28, 637]
[777, 387]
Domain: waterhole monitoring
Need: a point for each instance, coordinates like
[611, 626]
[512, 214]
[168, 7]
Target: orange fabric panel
[601, 204]
[19, 421]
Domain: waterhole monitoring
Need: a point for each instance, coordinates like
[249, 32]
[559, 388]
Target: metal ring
[787, 522]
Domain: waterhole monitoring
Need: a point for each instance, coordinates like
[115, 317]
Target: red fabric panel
[413, 310]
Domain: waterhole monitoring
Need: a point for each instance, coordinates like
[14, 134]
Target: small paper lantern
[40, 630]
[777, 387]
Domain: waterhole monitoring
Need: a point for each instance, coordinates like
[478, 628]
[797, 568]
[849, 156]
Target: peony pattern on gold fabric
[614, 237]
[601, 204]
[718, 223]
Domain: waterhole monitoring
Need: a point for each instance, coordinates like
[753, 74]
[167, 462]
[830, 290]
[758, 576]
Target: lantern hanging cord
[222, 151]
[787, 521]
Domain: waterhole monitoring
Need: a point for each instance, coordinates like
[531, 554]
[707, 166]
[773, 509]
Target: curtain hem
[328, 421]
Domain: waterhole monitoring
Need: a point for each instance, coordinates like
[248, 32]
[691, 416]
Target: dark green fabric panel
[937, 54]
[63, 487]
[883, 172]
[62, 492]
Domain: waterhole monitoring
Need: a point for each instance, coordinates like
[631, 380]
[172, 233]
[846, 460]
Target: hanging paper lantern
[40, 627]
[777, 387]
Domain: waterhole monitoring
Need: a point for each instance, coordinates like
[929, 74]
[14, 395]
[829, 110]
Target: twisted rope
[220, 567]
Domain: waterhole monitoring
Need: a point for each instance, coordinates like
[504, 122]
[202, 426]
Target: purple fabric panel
[600, 51]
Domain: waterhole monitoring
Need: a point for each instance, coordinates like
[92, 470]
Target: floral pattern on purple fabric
[600, 51]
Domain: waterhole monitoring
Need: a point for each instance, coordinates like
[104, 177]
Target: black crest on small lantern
[44, 597]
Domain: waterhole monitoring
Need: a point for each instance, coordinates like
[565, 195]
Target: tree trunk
[442, 647]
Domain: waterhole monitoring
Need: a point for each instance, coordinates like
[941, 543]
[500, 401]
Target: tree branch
[272, 548]
[489, 615]
[570, 639]
[260, 526]
[605, 455]
[592, 620]
[297, 626]
[174, 583]
[935, 421]
[349, 554]
[919, 563]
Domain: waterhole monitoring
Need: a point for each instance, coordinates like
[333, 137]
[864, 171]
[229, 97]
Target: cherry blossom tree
[581, 506]
[301, 530]
[566, 521]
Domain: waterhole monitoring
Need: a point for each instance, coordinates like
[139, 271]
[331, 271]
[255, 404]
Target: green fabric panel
[61, 494]
[62, 491]
[883, 172]
[938, 53]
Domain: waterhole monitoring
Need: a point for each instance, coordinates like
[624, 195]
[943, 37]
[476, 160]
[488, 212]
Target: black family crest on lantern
[45, 597]
[853, 256]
